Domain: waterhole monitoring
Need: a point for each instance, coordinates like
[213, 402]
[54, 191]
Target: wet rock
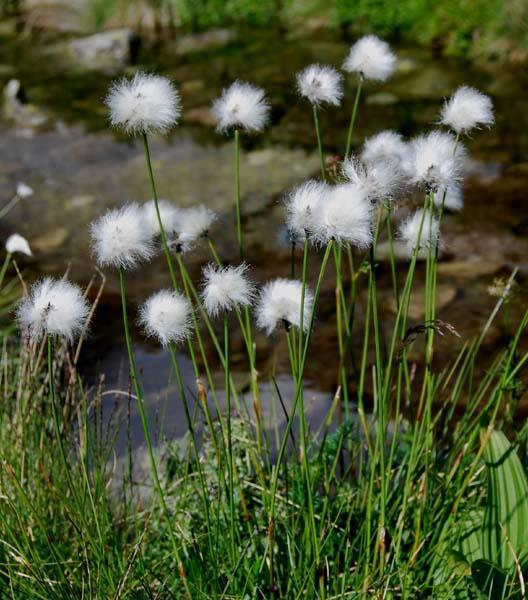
[201, 42]
[445, 294]
[108, 51]
[382, 99]
[51, 240]
[192, 86]
[201, 115]
[66, 16]
[469, 269]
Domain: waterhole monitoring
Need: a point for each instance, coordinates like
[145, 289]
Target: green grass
[462, 28]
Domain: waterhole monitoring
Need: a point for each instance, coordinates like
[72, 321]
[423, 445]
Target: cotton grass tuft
[53, 307]
[280, 302]
[121, 238]
[226, 288]
[166, 316]
[320, 84]
[371, 58]
[466, 109]
[241, 106]
[143, 104]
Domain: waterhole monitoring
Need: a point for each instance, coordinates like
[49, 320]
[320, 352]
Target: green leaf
[490, 579]
[504, 534]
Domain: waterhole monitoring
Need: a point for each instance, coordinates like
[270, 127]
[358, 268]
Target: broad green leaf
[505, 528]
[490, 579]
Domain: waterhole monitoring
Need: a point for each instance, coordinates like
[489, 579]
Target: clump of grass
[398, 493]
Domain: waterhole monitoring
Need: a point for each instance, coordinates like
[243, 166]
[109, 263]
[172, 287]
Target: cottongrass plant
[380, 501]
[369, 59]
[56, 309]
[227, 289]
[122, 239]
[320, 85]
[241, 107]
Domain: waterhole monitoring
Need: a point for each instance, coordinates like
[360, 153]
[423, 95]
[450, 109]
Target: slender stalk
[4, 268]
[237, 194]
[230, 465]
[163, 234]
[144, 423]
[353, 117]
[282, 448]
[319, 144]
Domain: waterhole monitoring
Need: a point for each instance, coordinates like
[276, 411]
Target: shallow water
[78, 168]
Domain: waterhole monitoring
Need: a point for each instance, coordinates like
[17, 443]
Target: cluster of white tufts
[371, 58]
[226, 288]
[241, 106]
[303, 206]
[386, 145]
[320, 85]
[166, 316]
[342, 213]
[143, 104]
[345, 216]
[53, 307]
[191, 224]
[435, 160]
[380, 180]
[281, 302]
[168, 213]
[121, 239]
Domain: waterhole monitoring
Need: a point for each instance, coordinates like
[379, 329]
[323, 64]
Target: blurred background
[58, 58]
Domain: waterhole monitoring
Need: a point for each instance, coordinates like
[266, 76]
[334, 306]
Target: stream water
[62, 148]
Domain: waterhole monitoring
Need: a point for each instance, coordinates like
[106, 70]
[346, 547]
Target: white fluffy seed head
[386, 145]
[168, 212]
[380, 180]
[466, 109]
[280, 302]
[143, 104]
[454, 199]
[17, 243]
[344, 216]
[166, 316]
[371, 58]
[226, 288]
[302, 206]
[420, 230]
[433, 161]
[243, 106]
[320, 84]
[120, 238]
[192, 224]
[24, 191]
[54, 307]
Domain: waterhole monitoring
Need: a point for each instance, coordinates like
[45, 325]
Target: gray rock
[209, 40]
[108, 52]
[66, 16]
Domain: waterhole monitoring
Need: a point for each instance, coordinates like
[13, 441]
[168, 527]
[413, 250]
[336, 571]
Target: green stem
[144, 423]
[163, 235]
[319, 144]
[237, 194]
[5, 265]
[230, 466]
[282, 448]
[353, 118]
